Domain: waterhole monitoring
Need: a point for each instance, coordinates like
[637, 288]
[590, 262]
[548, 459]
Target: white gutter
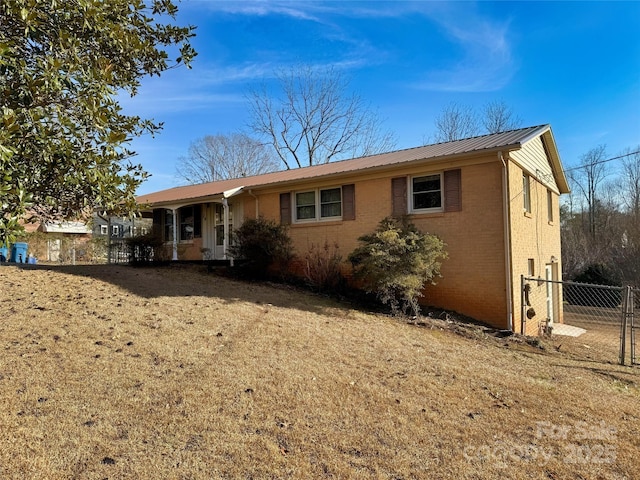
[257, 203]
[507, 240]
[232, 192]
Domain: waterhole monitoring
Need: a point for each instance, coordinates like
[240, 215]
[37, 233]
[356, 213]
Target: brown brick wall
[534, 237]
[473, 277]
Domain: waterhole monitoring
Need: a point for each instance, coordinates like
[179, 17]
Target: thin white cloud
[230, 74]
[151, 102]
[486, 64]
[299, 10]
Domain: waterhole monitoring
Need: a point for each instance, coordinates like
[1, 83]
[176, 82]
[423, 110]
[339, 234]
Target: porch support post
[175, 234]
[225, 241]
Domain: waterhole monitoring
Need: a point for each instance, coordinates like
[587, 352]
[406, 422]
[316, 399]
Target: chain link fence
[601, 317]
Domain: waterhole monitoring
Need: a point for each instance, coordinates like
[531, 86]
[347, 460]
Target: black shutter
[285, 208]
[452, 191]
[349, 202]
[399, 196]
[197, 221]
[157, 225]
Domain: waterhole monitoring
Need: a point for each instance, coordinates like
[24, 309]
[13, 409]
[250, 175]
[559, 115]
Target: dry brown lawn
[114, 372]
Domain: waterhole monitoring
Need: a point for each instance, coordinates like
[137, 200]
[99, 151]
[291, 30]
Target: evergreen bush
[396, 261]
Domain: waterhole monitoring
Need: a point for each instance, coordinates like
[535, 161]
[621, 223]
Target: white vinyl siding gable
[532, 157]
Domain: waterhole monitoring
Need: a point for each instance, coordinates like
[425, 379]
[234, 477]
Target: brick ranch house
[493, 199]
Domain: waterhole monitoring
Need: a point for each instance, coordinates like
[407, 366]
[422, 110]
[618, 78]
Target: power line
[602, 161]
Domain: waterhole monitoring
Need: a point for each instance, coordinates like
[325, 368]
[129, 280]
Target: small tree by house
[396, 262]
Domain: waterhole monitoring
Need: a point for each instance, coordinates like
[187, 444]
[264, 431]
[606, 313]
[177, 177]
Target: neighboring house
[118, 228]
[113, 232]
[57, 241]
[78, 233]
[493, 199]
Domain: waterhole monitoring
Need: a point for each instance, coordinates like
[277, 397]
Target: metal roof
[510, 140]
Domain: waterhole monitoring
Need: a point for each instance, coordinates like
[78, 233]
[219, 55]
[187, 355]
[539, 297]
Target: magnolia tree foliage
[63, 136]
[396, 262]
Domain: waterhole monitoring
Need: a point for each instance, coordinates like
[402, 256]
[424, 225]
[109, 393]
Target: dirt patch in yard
[115, 372]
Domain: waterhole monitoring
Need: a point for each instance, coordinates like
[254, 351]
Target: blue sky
[574, 65]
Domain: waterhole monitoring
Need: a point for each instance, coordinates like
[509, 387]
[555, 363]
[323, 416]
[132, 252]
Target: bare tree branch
[499, 117]
[630, 183]
[456, 122]
[220, 157]
[314, 120]
[588, 179]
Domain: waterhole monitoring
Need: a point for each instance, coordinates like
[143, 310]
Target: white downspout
[225, 240]
[257, 203]
[506, 211]
[175, 234]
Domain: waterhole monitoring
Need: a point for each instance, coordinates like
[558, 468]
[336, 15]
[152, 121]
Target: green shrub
[322, 267]
[396, 261]
[262, 247]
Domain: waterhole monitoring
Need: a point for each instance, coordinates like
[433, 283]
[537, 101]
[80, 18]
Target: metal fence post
[623, 324]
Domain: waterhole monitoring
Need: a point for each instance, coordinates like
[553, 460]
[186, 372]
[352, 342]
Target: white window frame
[104, 229]
[412, 208]
[318, 206]
[526, 192]
[550, 218]
[115, 230]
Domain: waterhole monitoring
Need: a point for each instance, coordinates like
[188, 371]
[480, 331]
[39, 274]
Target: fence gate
[603, 315]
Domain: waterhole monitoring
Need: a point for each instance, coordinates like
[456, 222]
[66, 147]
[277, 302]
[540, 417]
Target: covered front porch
[198, 230]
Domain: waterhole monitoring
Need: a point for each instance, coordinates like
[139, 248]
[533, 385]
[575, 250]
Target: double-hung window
[306, 206]
[190, 223]
[319, 204]
[426, 193]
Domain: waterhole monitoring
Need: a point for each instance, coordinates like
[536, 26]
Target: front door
[548, 273]
[219, 229]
